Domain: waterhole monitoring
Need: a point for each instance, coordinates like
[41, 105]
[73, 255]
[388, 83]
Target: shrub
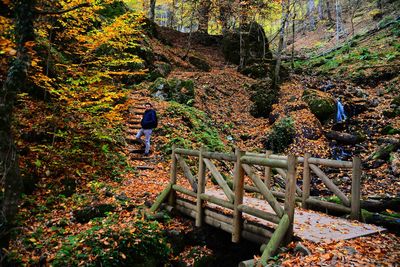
[107, 243]
[281, 135]
[263, 96]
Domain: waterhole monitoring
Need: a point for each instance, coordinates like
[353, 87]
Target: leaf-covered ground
[75, 150]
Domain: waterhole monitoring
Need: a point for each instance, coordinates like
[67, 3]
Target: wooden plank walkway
[308, 225]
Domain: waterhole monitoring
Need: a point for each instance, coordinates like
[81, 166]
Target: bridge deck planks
[310, 225]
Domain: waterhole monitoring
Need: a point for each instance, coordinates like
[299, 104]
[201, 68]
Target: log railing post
[356, 189]
[239, 191]
[201, 185]
[172, 195]
[268, 171]
[290, 195]
[306, 181]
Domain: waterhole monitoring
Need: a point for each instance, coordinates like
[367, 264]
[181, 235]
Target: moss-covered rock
[199, 63]
[86, 214]
[181, 91]
[257, 70]
[321, 104]
[263, 96]
[161, 69]
[256, 44]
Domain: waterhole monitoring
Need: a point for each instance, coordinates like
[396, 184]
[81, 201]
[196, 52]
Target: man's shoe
[146, 154]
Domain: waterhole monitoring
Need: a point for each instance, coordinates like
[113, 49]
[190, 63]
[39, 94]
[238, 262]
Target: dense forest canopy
[222, 74]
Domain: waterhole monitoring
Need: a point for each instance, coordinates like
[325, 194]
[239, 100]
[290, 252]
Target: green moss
[181, 91]
[321, 105]
[281, 135]
[196, 129]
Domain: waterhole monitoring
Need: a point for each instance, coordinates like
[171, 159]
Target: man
[148, 123]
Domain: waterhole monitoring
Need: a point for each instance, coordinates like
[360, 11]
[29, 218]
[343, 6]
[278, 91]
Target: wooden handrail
[206, 154]
[220, 180]
[313, 160]
[264, 190]
[325, 179]
[274, 163]
[187, 172]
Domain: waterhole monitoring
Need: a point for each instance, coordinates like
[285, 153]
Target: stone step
[135, 126]
[145, 167]
[133, 141]
[140, 158]
[134, 121]
[136, 151]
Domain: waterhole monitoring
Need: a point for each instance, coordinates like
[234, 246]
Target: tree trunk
[310, 14]
[9, 170]
[293, 34]
[328, 11]
[243, 22]
[172, 21]
[152, 10]
[320, 9]
[339, 26]
[225, 12]
[204, 12]
[285, 13]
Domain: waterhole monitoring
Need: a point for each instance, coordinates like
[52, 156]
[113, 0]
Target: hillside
[87, 187]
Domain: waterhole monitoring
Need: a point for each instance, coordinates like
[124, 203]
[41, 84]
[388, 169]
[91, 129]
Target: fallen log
[345, 137]
[389, 222]
[384, 152]
[379, 205]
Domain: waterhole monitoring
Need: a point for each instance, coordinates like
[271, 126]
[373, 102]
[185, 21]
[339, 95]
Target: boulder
[85, 214]
[395, 163]
[181, 91]
[199, 63]
[321, 104]
[160, 69]
[256, 44]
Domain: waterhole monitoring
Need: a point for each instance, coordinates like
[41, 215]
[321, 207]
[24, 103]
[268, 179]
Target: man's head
[148, 106]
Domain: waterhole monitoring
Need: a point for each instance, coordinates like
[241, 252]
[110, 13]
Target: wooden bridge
[250, 208]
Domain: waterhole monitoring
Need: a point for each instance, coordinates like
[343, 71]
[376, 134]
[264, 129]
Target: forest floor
[222, 94]
[61, 153]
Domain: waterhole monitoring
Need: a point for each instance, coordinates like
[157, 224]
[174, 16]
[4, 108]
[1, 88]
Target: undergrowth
[192, 129]
[357, 57]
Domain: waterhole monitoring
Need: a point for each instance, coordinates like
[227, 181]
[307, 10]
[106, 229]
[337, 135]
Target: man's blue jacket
[149, 120]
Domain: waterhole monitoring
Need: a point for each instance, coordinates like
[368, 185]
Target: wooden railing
[192, 200]
[348, 205]
[233, 222]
